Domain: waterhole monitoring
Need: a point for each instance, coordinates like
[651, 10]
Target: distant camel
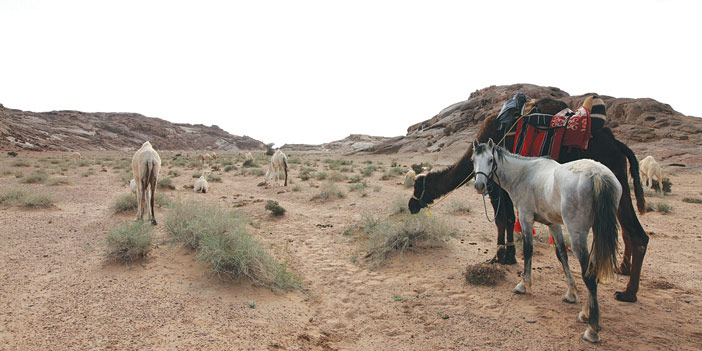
[201, 185]
[278, 162]
[214, 156]
[145, 167]
[649, 168]
[76, 156]
[249, 156]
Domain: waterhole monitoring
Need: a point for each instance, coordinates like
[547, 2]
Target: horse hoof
[591, 335]
[519, 289]
[620, 296]
[582, 318]
[153, 222]
[510, 260]
[570, 298]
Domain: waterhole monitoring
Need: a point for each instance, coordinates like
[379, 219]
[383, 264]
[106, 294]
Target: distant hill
[646, 125]
[75, 130]
[351, 143]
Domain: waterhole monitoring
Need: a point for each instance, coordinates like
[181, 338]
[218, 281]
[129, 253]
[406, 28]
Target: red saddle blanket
[544, 135]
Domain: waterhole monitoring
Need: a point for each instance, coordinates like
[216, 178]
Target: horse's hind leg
[527, 224]
[590, 313]
[562, 254]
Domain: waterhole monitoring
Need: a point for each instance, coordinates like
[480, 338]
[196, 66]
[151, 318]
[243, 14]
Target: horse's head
[421, 197]
[483, 164]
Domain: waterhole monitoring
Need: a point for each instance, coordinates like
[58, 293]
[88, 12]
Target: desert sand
[59, 292]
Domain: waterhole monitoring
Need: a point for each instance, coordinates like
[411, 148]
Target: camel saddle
[539, 134]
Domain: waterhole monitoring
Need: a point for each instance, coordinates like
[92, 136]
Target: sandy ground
[57, 291]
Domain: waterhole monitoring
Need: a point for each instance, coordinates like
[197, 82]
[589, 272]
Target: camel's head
[422, 196]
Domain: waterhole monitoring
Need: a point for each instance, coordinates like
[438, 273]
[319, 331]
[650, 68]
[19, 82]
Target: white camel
[411, 174]
[201, 185]
[649, 168]
[249, 156]
[278, 162]
[145, 167]
[76, 156]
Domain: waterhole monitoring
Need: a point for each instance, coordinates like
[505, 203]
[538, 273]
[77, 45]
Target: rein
[429, 206]
[487, 185]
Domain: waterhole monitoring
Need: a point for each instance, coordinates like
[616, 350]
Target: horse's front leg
[562, 254]
[504, 221]
[527, 222]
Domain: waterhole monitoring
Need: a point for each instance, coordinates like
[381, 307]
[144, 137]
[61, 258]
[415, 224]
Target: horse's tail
[634, 170]
[603, 253]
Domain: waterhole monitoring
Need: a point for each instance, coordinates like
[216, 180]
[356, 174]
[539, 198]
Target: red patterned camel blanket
[543, 135]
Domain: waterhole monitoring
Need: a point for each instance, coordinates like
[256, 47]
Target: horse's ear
[475, 144]
[491, 143]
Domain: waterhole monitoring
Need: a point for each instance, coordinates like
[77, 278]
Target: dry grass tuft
[129, 242]
[484, 274]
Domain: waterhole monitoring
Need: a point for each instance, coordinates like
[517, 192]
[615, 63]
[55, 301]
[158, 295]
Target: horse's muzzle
[481, 188]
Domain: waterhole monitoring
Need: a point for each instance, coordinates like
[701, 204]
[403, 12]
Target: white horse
[582, 194]
[146, 164]
[278, 162]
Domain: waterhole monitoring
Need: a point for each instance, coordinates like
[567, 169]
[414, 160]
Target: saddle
[539, 134]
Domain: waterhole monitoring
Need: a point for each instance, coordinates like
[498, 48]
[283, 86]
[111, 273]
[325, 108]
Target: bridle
[422, 203]
[488, 188]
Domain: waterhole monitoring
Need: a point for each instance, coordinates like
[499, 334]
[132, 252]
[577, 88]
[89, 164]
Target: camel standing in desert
[145, 167]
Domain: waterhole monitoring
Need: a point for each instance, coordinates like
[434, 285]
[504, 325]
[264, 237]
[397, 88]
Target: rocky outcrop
[350, 144]
[646, 125]
[74, 130]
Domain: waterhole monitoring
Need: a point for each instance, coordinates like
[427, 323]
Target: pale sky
[317, 71]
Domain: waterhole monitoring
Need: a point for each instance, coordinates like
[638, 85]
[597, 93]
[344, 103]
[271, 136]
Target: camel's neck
[444, 181]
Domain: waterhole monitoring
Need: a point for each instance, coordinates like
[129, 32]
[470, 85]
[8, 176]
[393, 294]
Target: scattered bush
[327, 192]
[173, 173]
[400, 232]
[12, 154]
[129, 242]
[692, 200]
[320, 175]
[249, 164]
[253, 171]
[458, 206]
[36, 177]
[35, 200]
[368, 170]
[187, 222]
[483, 274]
[399, 206]
[20, 163]
[88, 173]
[408, 182]
[128, 202]
[275, 208]
[166, 183]
[230, 168]
[58, 181]
[5, 172]
[214, 178]
[661, 207]
[297, 188]
[11, 197]
[337, 177]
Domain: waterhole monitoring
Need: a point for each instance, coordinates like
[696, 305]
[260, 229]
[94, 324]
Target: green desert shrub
[129, 242]
[397, 233]
[166, 183]
[275, 208]
[328, 191]
[11, 197]
[34, 177]
[483, 274]
[458, 206]
[58, 181]
[692, 200]
[37, 200]
[187, 222]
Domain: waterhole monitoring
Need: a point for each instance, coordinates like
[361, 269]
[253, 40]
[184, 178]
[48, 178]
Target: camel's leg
[503, 223]
[636, 240]
[140, 204]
